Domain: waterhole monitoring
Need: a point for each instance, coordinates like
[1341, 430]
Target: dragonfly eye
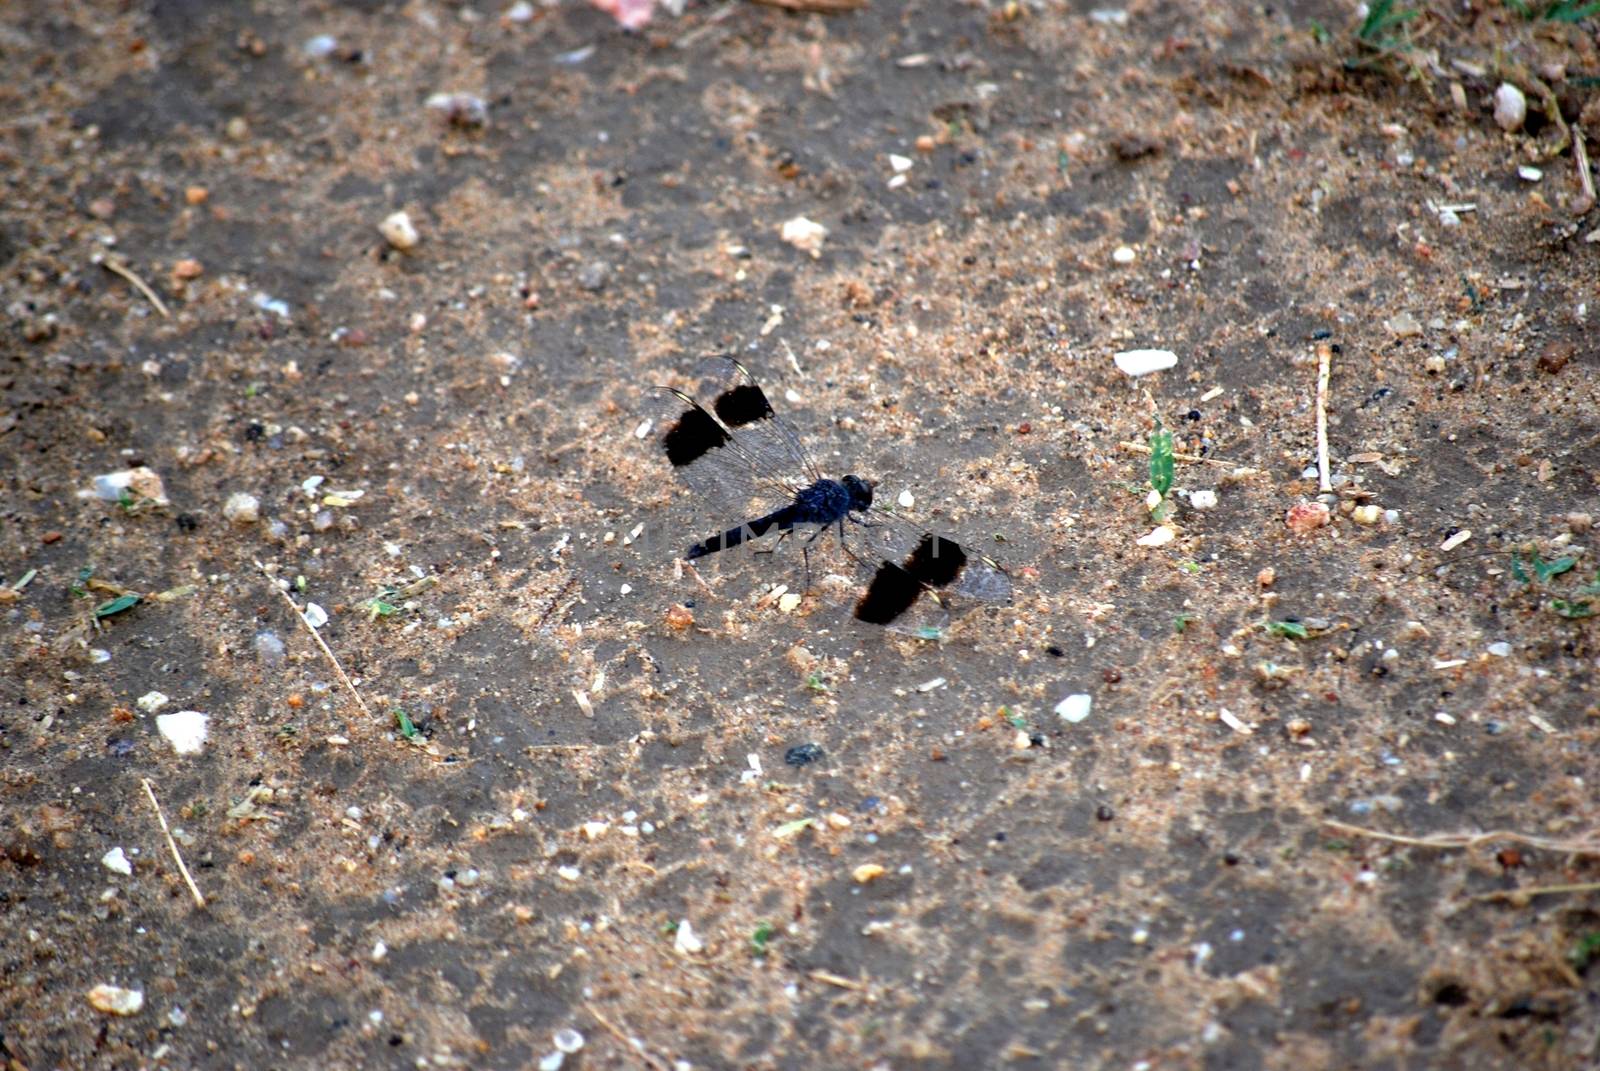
[860, 492]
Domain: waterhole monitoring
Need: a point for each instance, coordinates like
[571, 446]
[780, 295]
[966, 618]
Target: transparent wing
[915, 570]
[731, 393]
[729, 484]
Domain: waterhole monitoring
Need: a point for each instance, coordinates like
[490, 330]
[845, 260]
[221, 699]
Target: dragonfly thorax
[827, 501]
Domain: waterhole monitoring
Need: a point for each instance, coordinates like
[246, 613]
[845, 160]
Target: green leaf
[1319, 33]
[789, 829]
[1518, 572]
[116, 605]
[1161, 460]
[1294, 630]
[407, 729]
[1545, 570]
[84, 576]
[1017, 720]
[816, 683]
[1381, 18]
[1584, 952]
[378, 607]
[758, 939]
[1571, 11]
[1181, 622]
[1572, 610]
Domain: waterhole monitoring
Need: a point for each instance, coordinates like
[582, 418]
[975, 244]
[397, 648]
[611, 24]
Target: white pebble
[398, 231]
[1157, 537]
[568, 1040]
[1203, 499]
[116, 861]
[1501, 649]
[1142, 362]
[1529, 173]
[185, 730]
[1510, 107]
[150, 702]
[315, 615]
[1075, 708]
[116, 1000]
[242, 508]
[899, 163]
[804, 234]
[687, 942]
[380, 952]
[906, 500]
[1123, 254]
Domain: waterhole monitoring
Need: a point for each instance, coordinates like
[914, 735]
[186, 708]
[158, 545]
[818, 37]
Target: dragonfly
[733, 450]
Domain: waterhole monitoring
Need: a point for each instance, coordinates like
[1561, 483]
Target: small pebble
[568, 1040]
[552, 1061]
[803, 754]
[1367, 514]
[592, 276]
[521, 11]
[150, 702]
[867, 872]
[1510, 107]
[115, 1000]
[1456, 540]
[899, 163]
[185, 731]
[320, 47]
[269, 648]
[1142, 362]
[1075, 708]
[315, 615]
[1529, 173]
[1204, 499]
[1403, 325]
[686, 941]
[804, 234]
[1157, 537]
[242, 508]
[116, 861]
[398, 230]
[1123, 254]
[459, 109]
[1305, 517]
[1500, 649]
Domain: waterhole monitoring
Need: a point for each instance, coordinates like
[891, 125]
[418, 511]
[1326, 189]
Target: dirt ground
[585, 820]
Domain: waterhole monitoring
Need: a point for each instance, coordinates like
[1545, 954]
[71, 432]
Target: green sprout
[116, 606]
[1181, 623]
[407, 728]
[80, 586]
[1378, 28]
[817, 684]
[1293, 630]
[758, 939]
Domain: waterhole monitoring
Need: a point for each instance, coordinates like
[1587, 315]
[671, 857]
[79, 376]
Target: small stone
[1075, 708]
[116, 861]
[237, 129]
[1434, 365]
[686, 941]
[804, 234]
[899, 163]
[150, 702]
[867, 872]
[1142, 362]
[141, 482]
[1510, 107]
[567, 1040]
[1304, 517]
[1529, 173]
[1500, 649]
[269, 648]
[1203, 499]
[1123, 254]
[925, 143]
[552, 1061]
[1266, 577]
[1367, 514]
[1579, 523]
[1456, 540]
[398, 230]
[196, 195]
[315, 615]
[803, 754]
[459, 109]
[1403, 325]
[593, 276]
[242, 508]
[102, 208]
[1555, 355]
[185, 731]
[115, 1000]
[1157, 537]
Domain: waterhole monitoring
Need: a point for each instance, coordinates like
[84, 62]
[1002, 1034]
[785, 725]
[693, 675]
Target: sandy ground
[584, 820]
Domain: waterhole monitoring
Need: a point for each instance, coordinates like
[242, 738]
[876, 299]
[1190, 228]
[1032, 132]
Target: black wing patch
[935, 563]
[692, 437]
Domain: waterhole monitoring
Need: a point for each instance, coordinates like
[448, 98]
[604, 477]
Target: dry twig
[200, 901]
[1324, 367]
[337, 668]
[633, 1045]
[1588, 844]
[117, 266]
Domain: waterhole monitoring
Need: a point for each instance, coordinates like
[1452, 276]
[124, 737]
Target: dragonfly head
[860, 493]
